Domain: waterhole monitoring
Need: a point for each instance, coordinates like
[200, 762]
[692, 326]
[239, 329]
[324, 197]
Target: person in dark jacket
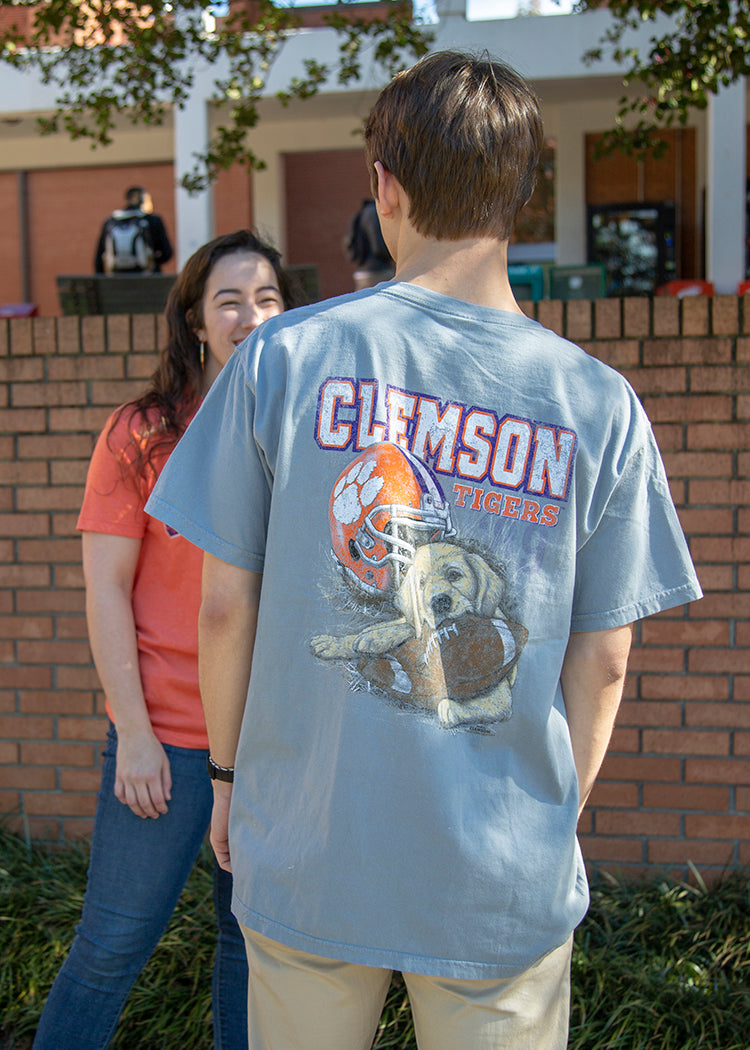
[133, 239]
[367, 248]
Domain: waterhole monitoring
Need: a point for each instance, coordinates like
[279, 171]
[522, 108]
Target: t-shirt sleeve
[215, 489]
[112, 500]
[634, 562]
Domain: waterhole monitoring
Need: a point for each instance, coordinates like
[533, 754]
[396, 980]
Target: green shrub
[659, 965]
[663, 965]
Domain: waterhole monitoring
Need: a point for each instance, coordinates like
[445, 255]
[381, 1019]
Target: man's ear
[386, 191]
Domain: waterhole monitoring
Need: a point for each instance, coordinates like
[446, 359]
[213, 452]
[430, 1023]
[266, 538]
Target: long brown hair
[160, 414]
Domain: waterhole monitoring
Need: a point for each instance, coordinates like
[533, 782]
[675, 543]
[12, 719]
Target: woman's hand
[143, 778]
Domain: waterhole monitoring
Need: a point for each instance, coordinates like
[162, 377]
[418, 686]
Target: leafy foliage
[658, 964]
[112, 57]
[696, 47]
[663, 964]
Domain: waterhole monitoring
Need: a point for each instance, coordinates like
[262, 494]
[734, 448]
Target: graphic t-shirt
[166, 587]
[437, 494]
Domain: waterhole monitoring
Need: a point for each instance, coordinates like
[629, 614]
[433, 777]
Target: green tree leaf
[106, 58]
[705, 45]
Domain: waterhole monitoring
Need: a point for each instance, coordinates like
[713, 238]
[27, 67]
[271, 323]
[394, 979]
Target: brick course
[675, 786]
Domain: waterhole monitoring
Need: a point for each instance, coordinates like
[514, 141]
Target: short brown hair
[463, 136]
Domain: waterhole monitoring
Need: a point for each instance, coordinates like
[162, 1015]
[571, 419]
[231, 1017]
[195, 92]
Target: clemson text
[471, 443]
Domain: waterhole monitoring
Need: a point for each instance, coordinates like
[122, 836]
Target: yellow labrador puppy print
[453, 650]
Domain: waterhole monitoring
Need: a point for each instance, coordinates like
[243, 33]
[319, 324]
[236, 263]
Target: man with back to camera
[426, 546]
[133, 239]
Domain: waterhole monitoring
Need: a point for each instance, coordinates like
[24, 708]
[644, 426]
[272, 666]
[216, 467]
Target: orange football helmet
[382, 507]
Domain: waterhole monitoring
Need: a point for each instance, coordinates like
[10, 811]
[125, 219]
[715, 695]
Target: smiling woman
[241, 291]
[142, 598]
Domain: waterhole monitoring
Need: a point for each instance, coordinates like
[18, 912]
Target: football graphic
[449, 646]
[383, 506]
[461, 658]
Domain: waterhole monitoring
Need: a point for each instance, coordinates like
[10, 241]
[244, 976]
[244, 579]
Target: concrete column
[450, 9]
[195, 221]
[269, 211]
[570, 181]
[725, 189]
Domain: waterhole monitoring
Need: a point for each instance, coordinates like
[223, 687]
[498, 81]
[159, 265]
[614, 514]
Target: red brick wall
[233, 200]
[66, 209]
[60, 379]
[324, 190]
[317, 16]
[19, 19]
[10, 239]
[676, 784]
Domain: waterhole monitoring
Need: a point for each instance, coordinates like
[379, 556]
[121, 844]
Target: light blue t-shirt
[437, 494]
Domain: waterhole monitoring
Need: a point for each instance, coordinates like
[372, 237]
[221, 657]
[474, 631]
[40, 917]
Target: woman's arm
[592, 677]
[143, 777]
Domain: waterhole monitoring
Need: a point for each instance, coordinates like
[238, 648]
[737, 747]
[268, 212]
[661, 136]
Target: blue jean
[137, 871]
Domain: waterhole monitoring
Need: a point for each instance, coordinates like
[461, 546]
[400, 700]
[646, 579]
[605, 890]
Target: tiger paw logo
[385, 505]
[356, 492]
[449, 648]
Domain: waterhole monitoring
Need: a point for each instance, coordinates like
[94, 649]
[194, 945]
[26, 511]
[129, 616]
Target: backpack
[127, 242]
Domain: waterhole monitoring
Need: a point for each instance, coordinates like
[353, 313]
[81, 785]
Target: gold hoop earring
[203, 355]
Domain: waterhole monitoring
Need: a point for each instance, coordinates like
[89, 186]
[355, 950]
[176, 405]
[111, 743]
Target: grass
[659, 965]
[664, 965]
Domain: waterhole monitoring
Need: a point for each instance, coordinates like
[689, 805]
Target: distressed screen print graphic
[439, 639]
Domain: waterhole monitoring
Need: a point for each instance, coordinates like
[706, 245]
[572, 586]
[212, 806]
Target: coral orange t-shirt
[166, 586]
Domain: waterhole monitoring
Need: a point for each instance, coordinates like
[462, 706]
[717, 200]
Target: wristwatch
[217, 772]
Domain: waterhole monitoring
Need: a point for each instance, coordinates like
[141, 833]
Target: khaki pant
[298, 1001]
